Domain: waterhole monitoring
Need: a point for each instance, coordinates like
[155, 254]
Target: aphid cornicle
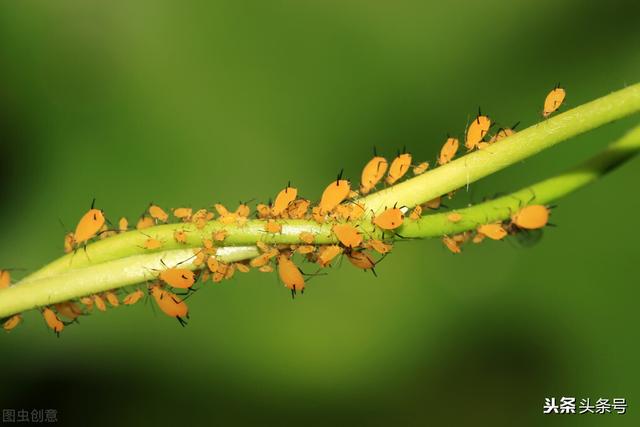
[372, 173]
[12, 322]
[334, 194]
[170, 304]
[290, 274]
[283, 199]
[390, 219]
[477, 131]
[399, 166]
[531, 217]
[553, 101]
[89, 225]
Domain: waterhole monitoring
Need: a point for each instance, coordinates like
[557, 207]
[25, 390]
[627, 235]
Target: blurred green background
[191, 103]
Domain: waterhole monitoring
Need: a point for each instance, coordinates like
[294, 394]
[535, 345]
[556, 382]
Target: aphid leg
[182, 322]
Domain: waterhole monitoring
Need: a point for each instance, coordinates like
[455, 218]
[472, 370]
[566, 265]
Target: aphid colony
[337, 206]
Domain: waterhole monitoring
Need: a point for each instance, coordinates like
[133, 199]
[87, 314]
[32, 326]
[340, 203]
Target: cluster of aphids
[337, 206]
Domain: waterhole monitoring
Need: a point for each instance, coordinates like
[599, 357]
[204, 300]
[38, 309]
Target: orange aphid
[52, 320]
[133, 297]
[178, 277]
[180, 236]
[88, 302]
[69, 310]
[112, 298]
[242, 268]
[334, 194]
[219, 235]
[12, 322]
[379, 246]
[263, 259]
[243, 210]
[99, 303]
[493, 231]
[348, 235]
[305, 249]
[158, 213]
[152, 244]
[273, 227]
[553, 101]
[5, 278]
[266, 269]
[201, 217]
[477, 130]
[448, 151]
[531, 217]
[144, 222]
[170, 304]
[503, 133]
[421, 168]
[89, 225]
[372, 173]
[478, 238]
[434, 203]
[209, 247]
[183, 213]
[264, 211]
[390, 219]
[306, 237]
[298, 208]
[454, 217]
[68, 243]
[221, 209]
[362, 260]
[317, 215]
[416, 213]
[327, 254]
[213, 264]
[283, 199]
[451, 244]
[123, 224]
[399, 167]
[290, 274]
[199, 257]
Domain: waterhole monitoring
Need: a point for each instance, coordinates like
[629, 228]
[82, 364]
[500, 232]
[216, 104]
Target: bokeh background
[191, 103]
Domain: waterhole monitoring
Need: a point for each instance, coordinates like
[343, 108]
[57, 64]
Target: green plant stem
[120, 260]
[138, 268]
[508, 151]
[102, 277]
[412, 192]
